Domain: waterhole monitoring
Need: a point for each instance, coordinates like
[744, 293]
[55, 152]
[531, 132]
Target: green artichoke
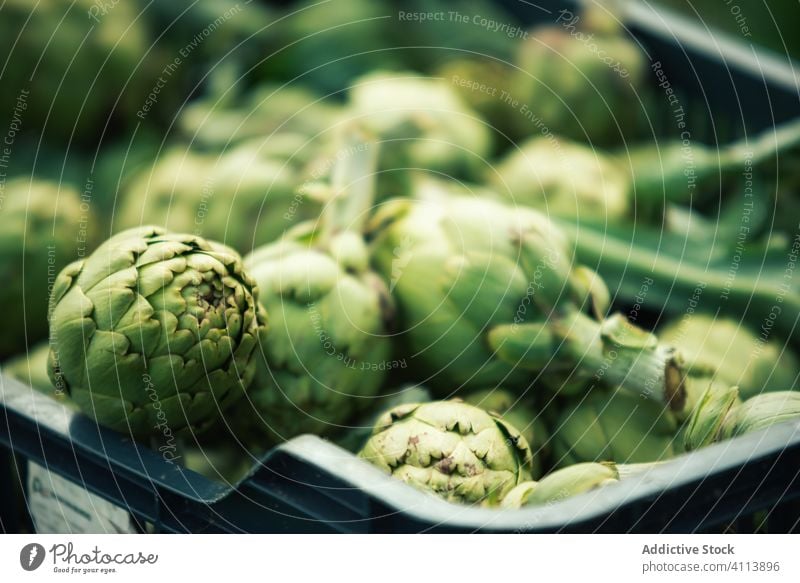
[244, 197]
[267, 110]
[567, 179]
[354, 438]
[43, 226]
[520, 413]
[155, 332]
[329, 349]
[613, 426]
[704, 425]
[760, 412]
[487, 296]
[422, 123]
[733, 354]
[68, 67]
[580, 77]
[452, 449]
[562, 484]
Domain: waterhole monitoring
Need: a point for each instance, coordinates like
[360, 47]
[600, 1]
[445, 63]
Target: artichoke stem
[619, 354]
[763, 147]
[352, 185]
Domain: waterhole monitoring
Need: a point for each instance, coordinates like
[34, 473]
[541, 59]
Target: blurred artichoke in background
[452, 449]
[218, 122]
[421, 124]
[329, 349]
[732, 354]
[566, 179]
[43, 226]
[613, 426]
[581, 77]
[155, 332]
[327, 44]
[488, 296]
[244, 197]
[562, 484]
[72, 67]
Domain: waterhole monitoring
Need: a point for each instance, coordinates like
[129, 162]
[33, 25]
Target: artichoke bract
[562, 484]
[452, 449]
[730, 352]
[329, 349]
[155, 332]
[488, 296]
[760, 412]
[581, 77]
[421, 123]
[43, 227]
[613, 426]
[520, 413]
[243, 197]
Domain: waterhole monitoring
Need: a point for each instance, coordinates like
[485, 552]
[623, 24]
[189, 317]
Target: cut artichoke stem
[352, 185]
[619, 354]
[764, 146]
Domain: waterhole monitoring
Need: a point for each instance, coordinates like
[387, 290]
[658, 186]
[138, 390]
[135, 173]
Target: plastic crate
[310, 485]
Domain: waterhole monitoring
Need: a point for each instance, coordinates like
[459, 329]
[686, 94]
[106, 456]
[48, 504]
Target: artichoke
[760, 412]
[704, 425]
[43, 226]
[581, 78]
[68, 67]
[452, 449]
[519, 413]
[613, 425]
[329, 349]
[487, 296]
[354, 438]
[267, 110]
[567, 179]
[244, 197]
[562, 484]
[155, 332]
[731, 353]
[422, 124]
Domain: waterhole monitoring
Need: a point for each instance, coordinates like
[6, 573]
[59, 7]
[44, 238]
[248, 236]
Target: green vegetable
[155, 332]
[580, 77]
[704, 426]
[520, 413]
[562, 484]
[68, 68]
[613, 425]
[733, 354]
[452, 449]
[488, 296]
[762, 411]
[43, 226]
[422, 124]
[329, 350]
[244, 197]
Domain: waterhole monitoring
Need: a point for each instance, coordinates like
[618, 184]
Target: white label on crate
[58, 506]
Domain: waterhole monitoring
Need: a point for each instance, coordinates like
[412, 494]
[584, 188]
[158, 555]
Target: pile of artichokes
[478, 273]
